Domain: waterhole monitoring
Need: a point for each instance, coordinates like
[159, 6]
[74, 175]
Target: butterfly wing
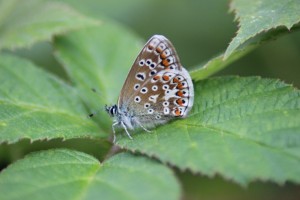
[158, 54]
[157, 88]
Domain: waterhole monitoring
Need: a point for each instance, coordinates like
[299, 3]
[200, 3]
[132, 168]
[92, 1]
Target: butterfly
[157, 89]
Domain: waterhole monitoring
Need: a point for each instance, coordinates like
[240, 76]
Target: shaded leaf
[37, 105]
[258, 16]
[67, 174]
[242, 128]
[23, 23]
[216, 64]
[219, 62]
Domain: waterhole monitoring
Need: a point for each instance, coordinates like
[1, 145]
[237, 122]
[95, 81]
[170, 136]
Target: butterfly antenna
[100, 94]
[93, 114]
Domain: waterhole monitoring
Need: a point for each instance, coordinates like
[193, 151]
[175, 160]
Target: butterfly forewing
[157, 88]
[158, 54]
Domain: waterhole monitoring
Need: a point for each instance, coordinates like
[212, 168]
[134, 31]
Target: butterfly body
[157, 89]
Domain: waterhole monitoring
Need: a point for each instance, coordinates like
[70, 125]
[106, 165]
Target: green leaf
[22, 23]
[66, 174]
[241, 128]
[100, 58]
[37, 105]
[258, 16]
[219, 62]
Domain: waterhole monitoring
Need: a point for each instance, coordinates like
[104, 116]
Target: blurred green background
[199, 30]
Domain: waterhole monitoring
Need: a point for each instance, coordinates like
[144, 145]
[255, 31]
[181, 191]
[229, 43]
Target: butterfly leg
[142, 126]
[122, 123]
[113, 128]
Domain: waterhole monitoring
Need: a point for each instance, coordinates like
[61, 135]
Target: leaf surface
[67, 174]
[241, 128]
[23, 23]
[258, 16]
[37, 105]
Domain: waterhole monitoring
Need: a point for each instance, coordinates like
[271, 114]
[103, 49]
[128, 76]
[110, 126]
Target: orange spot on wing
[175, 80]
[158, 50]
[166, 78]
[165, 62]
[179, 93]
[163, 55]
[150, 47]
[179, 102]
[179, 86]
[177, 112]
[156, 77]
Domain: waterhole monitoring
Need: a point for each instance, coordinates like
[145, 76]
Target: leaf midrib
[37, 108]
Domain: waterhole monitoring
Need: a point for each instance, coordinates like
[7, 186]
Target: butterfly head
[111, 110]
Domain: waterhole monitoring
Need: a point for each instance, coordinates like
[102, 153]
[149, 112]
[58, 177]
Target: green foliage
[257, 16]
[67, 174]
[37, 105]
[242, 128]
[26, 22]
